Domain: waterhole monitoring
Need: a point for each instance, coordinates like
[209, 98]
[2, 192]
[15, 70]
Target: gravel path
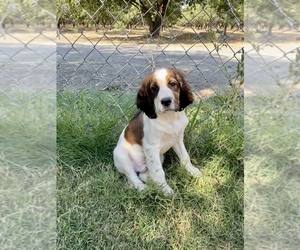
[108, 67]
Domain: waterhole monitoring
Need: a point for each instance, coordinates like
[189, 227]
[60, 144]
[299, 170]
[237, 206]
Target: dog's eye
[154, 89]
[172, 84]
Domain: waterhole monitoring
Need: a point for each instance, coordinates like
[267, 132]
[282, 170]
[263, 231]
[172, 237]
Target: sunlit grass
[272, 174]
[98, 210]
[27, 170]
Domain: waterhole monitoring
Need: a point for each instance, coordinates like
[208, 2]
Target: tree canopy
[154, 13]
[27, 12]
[271, 13]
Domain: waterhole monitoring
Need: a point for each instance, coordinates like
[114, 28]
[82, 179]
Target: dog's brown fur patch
[134, 132]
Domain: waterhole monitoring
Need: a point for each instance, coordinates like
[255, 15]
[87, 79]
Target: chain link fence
[107, 48]
[272, 102]
[28, 125]
[110, 47]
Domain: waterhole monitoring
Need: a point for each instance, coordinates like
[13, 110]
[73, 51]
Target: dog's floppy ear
[145, 98]
[186, 95]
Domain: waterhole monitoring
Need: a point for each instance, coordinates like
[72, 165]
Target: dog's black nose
[166, 101]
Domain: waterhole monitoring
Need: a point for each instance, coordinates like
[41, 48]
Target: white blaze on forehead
[160, 76]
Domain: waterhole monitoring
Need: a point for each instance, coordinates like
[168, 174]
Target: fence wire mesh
[107, 47]
[28, 123]
[111, 47]
[271, 125]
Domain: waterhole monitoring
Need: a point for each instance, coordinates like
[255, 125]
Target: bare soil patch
[175, 34]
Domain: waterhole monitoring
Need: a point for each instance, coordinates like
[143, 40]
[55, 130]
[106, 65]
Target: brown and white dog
[162, 98]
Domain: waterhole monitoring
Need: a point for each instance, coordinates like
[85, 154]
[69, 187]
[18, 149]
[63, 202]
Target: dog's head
[162, 91]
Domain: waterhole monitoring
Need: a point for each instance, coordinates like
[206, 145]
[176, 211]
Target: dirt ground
[174, 35]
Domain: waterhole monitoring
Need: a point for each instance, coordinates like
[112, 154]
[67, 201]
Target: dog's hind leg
[124, 164]
[136, 181]
[144, 176]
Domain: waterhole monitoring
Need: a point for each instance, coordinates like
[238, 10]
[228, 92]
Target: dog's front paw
[193, 171]
[140, 187]
[167, 189]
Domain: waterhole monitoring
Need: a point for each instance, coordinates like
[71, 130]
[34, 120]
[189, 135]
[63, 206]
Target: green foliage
[197, 16]
[129, 18]
[30, 13]
[272, 13]
[90, 133]
[121, 14]
[227, 9]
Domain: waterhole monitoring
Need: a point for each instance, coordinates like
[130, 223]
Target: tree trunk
[270, 28]
[225, 26]
[58, 23]
[225, 29]
[156, 24]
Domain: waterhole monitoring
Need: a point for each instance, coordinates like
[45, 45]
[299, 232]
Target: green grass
[272, 173]
[27, 170]
[97, 209]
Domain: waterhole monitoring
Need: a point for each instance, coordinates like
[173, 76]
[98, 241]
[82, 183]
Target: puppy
[158, 126]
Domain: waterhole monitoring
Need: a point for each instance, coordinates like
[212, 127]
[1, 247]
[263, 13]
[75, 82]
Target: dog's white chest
[175, 127]
[165, 133]
[173, 123]
[168, 141]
